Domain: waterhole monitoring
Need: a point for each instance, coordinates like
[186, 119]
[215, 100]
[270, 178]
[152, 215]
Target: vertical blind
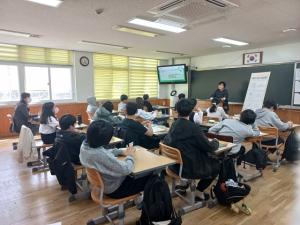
[116, 75]
[28, 54]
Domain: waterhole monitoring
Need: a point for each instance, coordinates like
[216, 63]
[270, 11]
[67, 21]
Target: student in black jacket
[196, 150]
[222, 95]
[22, 114]
[147, 105]
[71, 137]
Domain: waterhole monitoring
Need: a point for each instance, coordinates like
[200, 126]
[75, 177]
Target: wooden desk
[208, 125]
[160, 130]
[257, 138]
[147, 162]
[224, 147]
[164, 109]
[81, 126]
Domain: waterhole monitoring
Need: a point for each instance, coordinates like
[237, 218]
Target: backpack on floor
[256, 156]
[292, 147]
[157, 203]
[228, 190]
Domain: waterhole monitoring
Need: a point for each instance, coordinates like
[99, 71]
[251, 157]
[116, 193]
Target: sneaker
[245, 209]
[234, 208]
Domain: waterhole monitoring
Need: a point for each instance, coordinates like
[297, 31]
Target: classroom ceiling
[259, 22]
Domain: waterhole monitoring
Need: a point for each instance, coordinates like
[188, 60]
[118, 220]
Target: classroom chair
[175, 154]
[273, 133]
[111, 208]
[41, 164]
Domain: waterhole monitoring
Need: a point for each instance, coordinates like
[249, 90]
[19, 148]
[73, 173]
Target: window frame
[21, 75]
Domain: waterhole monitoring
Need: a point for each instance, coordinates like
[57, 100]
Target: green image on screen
[172, 74]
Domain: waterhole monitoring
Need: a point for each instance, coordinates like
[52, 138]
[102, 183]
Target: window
[37, 82]
[110, 76]
[115, 75]
[9, 83]
[61, 83]
[143, 77]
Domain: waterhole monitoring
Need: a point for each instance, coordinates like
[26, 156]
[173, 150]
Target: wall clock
[84, 61]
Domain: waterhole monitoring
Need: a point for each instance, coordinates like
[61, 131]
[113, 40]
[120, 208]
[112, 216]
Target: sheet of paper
[256, 90]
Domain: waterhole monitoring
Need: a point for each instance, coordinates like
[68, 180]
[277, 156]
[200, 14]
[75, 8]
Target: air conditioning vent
[171, 4]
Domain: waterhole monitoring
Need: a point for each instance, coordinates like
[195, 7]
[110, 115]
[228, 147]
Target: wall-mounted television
[172, 74]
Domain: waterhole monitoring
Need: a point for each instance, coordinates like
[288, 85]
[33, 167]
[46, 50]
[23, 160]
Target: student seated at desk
[134, 131]
[71, 137]
[22, 115]
[266, 117]
[147, 105]
[91, 107]
[48, 123]
[238, 129]
[114, 172]
[196, 115]
[142, 113]
[216, 111]
[195, 149]
[105, 113]
[122, 104]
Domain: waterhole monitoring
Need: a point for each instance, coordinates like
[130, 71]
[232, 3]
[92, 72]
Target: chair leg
[277, 164]
[121, 214]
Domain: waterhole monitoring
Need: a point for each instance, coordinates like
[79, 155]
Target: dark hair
[131, 108]
[184, 107]
[145, 97]
[269, 104]
[108, 106]
[47, 112]
[123, 97]
[181, 96]
[222, 82]
[193, 102]
[248, 116]
[140, 102]
[214, 105]
[66, 121]
[99, 133]
[24, 95]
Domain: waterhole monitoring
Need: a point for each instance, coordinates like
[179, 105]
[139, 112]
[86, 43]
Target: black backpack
[292, 148]
[256, 156]
[157, 203]
[226, 195]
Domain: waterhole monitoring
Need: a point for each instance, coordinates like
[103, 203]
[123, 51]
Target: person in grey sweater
[114, 172]
[238, 129]
[266, 117]
[105, 113]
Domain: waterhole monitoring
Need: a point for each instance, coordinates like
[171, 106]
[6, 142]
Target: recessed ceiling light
[226, 46]
[172, 53]
[102, 44]
[156, 25]
[52, 3]
[230, 41]
[17, 33]
[135, 31]
[289, 30]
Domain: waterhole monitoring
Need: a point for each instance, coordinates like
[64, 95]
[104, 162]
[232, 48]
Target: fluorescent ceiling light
[52, 3]
[289, 30]
[173, 53]
[135, 31]
[15, 33]
[102, 44]
[230, 41]
[226, 46]
[156, 25]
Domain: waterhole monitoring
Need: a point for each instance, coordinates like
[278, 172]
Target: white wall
[84, 77]
[273, 54]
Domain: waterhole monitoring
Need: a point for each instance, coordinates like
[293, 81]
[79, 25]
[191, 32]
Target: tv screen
[172, 74]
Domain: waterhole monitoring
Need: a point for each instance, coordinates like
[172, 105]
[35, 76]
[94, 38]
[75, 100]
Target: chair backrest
[220, 137]
[95, 179]
[271, 131]
[172, 153]
[207, 118]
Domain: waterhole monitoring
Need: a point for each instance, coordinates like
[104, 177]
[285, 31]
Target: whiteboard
[256, 90]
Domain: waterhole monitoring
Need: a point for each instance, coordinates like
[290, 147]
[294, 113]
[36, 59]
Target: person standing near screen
[221, 94]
